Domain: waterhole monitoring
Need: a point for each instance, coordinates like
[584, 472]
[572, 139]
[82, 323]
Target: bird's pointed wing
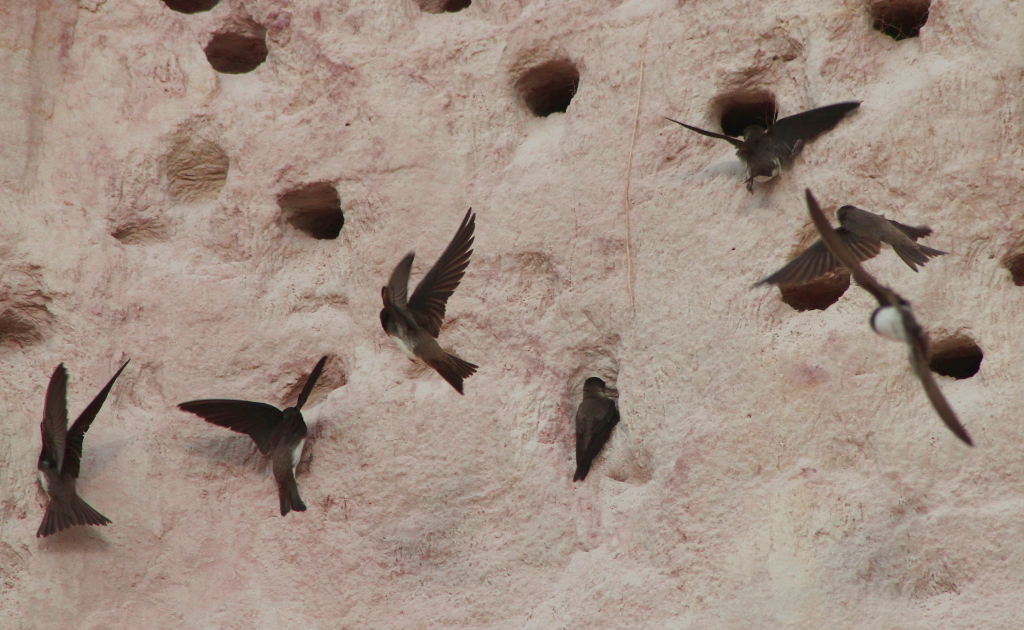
[919, 359]
[817, 260]
[54, 426]
[76, 434]
[884, 295]
[711, 134]
[805, 125]
[594, 418]
[398, 284]
[428, 301]
[254, 419]
[307, 389]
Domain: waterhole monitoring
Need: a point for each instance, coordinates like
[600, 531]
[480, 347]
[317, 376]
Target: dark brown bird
[415, 323]
[766, 151]
[281, 434]
[863, 233]
[893, 319]
[596, 416]
[61, 457]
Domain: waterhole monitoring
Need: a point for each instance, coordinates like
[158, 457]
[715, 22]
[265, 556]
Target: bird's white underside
[405, 347]
[43, 482]
[776, 169]
[297, 454]
[888, 322]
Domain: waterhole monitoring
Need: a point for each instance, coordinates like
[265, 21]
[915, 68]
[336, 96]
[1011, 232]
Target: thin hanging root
[629, 169]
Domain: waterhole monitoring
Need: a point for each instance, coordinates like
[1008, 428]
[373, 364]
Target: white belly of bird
[405, 347]
[776, 167]
[43, 482]
[888, 322]
[297, 454]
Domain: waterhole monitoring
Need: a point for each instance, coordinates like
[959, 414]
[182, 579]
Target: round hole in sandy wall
[191, 6]
[818, 294]
[549, 87]
[444, 6]
[238, 51]
[957, 356]
[741, 110]
[314, 209]
[1014, 263]
[899, 19]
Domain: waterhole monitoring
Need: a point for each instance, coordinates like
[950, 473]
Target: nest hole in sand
[444, 6]
[818, 294]
[239, 50]
[314, 209]
[739, 110]
[549, 87]
[957, 356]
[899, 19]
[190, 6]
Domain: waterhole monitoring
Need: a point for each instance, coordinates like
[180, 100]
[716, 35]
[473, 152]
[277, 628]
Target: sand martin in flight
[61, 457]
[893, 319]
[766, 151]
[281, 434]
[863, 233]
[414, 323]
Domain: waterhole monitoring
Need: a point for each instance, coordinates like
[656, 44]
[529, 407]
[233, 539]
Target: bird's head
[843, 212]
[46, 464]
[593, 385]
[752, 131]
[291, 414]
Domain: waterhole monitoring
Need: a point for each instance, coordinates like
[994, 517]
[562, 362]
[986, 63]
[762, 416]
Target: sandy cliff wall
[775, 468]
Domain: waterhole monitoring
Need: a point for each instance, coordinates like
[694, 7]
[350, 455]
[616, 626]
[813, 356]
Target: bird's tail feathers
[582, 469]
[290, 499]
[929, 252]
[916, 255]
[453, 369]
[60, 516]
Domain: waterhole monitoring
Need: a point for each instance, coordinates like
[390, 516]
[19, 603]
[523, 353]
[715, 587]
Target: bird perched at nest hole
[596, 416]
[863, 233]
[281, 434]
[893, 319]
[766, 151]
[61, 457]
[415, 323]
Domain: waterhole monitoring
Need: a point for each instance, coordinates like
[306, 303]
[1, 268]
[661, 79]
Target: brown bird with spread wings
[766, 151]
[281, 434]
[863, 233]
[414, 323]
[893, 319]
[61, 458]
